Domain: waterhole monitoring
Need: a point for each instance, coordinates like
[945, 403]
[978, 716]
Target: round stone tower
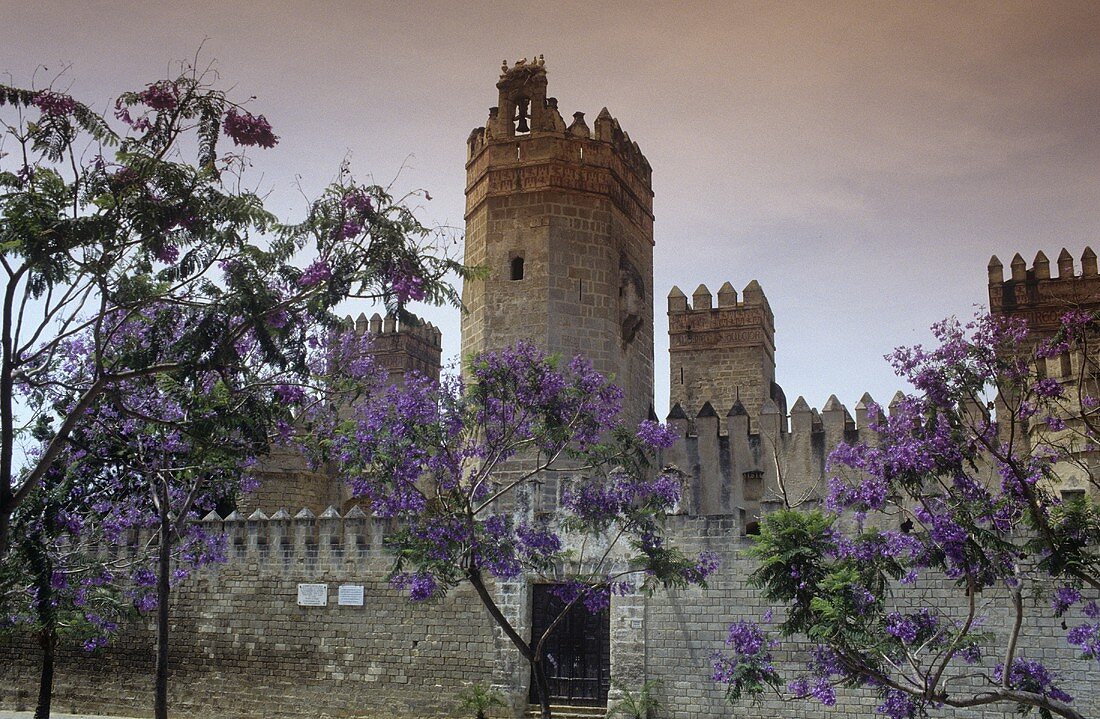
[561, 219]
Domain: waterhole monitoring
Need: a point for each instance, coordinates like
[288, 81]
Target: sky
[861, 160]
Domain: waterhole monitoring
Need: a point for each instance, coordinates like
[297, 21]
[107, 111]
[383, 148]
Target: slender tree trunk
[5, 524]
[474, 575]
[46, 614]
[543, 686]
[48, 641]
[7, 416]
[160, 702]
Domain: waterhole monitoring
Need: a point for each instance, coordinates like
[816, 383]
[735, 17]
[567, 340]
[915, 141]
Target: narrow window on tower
[516, 269]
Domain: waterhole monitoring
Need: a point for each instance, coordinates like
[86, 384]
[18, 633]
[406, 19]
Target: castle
[561, 217]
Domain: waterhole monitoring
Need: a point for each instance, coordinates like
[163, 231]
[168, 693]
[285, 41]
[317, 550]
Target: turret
[724, 353]
[401, 348]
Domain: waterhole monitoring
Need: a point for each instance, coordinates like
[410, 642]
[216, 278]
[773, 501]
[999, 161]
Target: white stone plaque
[351, 595]
[312, 595]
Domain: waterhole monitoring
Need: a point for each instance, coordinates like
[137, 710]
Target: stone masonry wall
[683, 629]
[242, 647]
[722, 354]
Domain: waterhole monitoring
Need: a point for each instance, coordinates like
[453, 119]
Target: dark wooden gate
[577, 656]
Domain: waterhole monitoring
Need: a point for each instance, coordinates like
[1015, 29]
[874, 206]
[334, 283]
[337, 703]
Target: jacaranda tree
[952, 494]
[103, 218]
[156, 317]
[451, 460]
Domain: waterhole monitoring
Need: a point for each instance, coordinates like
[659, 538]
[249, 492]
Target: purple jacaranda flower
[247, 129]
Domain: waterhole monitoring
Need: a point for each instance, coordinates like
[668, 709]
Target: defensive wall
[242, 646]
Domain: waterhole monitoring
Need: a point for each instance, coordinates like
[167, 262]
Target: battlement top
[391, 326]
[1040, 267]
[523, 111]
[702, 299]
[1031, 294]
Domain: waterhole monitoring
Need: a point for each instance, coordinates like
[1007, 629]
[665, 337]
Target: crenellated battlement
[733, 468]
[402, 347]
[282, 539]
[1040, 299]
[526, 146]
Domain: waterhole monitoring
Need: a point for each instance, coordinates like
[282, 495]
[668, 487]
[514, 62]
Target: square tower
[561, 220]
[722, 354]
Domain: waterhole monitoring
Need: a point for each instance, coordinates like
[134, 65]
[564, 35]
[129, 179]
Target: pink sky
[861, 160]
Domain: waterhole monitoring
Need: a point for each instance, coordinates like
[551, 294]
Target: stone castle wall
[732, 466]
[684, 628]
[243, 647]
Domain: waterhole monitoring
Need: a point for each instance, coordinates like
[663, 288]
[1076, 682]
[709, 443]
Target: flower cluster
[55, 104]
[657, 435]
[406, 284]
[357, 202]
[122, 112]
[420, 585]
[749, 667]
[912, 628]
[594, 596]
[596, 501]
[315, 274]
[897, 704]
[1032, 676]
[244, 128]
[160, 96]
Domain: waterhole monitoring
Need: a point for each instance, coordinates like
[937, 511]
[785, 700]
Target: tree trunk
[46, 614]
[160, 701]
[474, 575]
[48, 640]
[543, 686]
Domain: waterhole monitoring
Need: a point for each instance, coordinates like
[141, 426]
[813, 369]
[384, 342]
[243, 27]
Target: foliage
[637, 705]
[480, 698]
[459, 466]
[947, 493]
[103, 220]
[53, 583]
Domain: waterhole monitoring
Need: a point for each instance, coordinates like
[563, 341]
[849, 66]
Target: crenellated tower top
[723, 354]
[1040, 299]
[526, 129]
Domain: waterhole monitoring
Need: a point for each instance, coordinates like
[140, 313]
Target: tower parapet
[402, 347]
[561, 218]
[725, 353]
[1041, 300]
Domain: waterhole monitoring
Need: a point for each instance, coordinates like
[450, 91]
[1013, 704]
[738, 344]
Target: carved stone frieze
[724, 338]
